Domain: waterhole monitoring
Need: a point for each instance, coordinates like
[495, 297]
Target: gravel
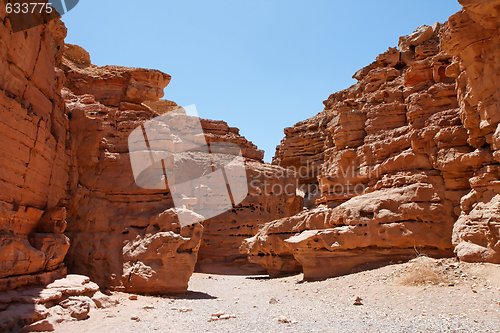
[219, 303]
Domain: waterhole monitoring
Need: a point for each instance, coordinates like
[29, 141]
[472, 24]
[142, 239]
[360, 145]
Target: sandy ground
[458, 298]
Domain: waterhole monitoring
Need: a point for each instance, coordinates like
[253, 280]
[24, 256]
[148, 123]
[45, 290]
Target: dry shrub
[423, 271]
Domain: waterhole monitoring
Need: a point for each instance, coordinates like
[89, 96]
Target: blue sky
[260, 65]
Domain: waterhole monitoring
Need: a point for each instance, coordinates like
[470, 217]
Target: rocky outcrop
[398, 158]
[123, 236]
[34, 155]
[472, 38]
[303, 151]
[67, 162]
[272, 194]
[37, 309]
[129, 238]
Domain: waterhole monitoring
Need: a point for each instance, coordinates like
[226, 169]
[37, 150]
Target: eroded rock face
[65, 128]
[398, 158]
[472, 37]
[272, 194]
[123, 236]
[34, 155]
[113, 86]
[37, 309]
[129, 238]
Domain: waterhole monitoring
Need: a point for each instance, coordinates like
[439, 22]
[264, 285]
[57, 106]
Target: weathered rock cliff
[473, 39]
[34, 156]
[123, 236]
[65, 128]
[397, 158]
[405, 161]
[119, 230]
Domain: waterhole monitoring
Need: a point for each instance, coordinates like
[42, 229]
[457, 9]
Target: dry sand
[424, 295]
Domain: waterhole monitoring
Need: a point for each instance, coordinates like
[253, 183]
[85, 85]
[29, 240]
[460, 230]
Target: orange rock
[412, 146]
[472, 37]
[136, 243]
[35, 156]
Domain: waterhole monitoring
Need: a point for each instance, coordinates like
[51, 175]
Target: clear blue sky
[260, 65]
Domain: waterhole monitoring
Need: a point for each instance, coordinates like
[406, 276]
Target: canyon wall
[35, 156]
[473, 39]
[272, 194]
[66, 175]
[122, 236]
[406, 161]
[129, 238]
[400, 163]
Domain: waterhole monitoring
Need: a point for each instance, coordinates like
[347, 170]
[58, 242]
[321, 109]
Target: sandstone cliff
[400, 163]
[65, 125]
[34, 156]
[129, 238]
[405, 161]
[122, 236]
[473, 39]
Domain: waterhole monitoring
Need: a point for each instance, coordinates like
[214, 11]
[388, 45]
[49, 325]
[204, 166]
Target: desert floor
[424, 295]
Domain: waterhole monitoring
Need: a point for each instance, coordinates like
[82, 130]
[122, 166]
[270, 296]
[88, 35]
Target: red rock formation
[395, 157]
[472, 37]
[67, 154]
[37, 309]
[387, 169]
[123, 236]
[272, 195]
[118, 230]
[34, 155]
[303, 151]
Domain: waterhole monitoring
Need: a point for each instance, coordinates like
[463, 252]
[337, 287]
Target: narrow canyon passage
[388, 199]
[468, 297]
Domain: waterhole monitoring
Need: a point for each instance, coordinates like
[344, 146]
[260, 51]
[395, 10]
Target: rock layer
[124, 237]
[398, 158]
[472, 37]
[37, 309]
[34, 156]
[119, 230]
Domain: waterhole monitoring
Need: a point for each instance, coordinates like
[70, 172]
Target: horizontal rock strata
[402, 162]
[34, 156]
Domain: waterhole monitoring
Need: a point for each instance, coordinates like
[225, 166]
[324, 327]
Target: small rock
[358, 300]
[136, 318]
[217, 314]
[148, 307]
[77, 306]
[221, 316]
[103, 301]
[286, 320]
[133, 297]
[184, 309]
[40, 326]
[273, 301]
